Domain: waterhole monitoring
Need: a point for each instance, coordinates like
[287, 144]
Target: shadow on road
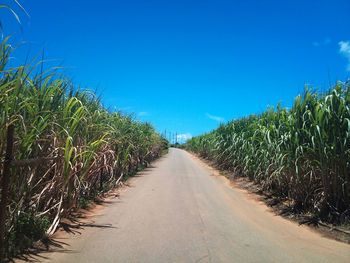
[37, 252]
[73, 225]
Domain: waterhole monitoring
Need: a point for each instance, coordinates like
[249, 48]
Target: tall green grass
[91, 148]
[302, 154]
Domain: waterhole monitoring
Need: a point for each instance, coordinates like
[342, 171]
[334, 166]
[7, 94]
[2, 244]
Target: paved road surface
[178, 211]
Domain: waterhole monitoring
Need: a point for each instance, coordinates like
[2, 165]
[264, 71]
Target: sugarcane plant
[81, 148]
[301, 154]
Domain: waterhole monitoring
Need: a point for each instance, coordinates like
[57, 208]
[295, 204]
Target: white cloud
[324, 42]
[181, 138]
[143, 113]
[344, 49]
[215, 118]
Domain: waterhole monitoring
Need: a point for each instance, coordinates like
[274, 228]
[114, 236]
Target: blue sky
[187, 65]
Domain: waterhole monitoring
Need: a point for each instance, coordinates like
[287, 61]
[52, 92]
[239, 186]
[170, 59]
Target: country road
[178, 211]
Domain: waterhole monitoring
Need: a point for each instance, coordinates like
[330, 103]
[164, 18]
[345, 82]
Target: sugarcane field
[174, 131]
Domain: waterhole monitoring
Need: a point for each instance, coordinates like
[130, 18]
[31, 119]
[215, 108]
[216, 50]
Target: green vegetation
[76, 148]
[301, 154]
